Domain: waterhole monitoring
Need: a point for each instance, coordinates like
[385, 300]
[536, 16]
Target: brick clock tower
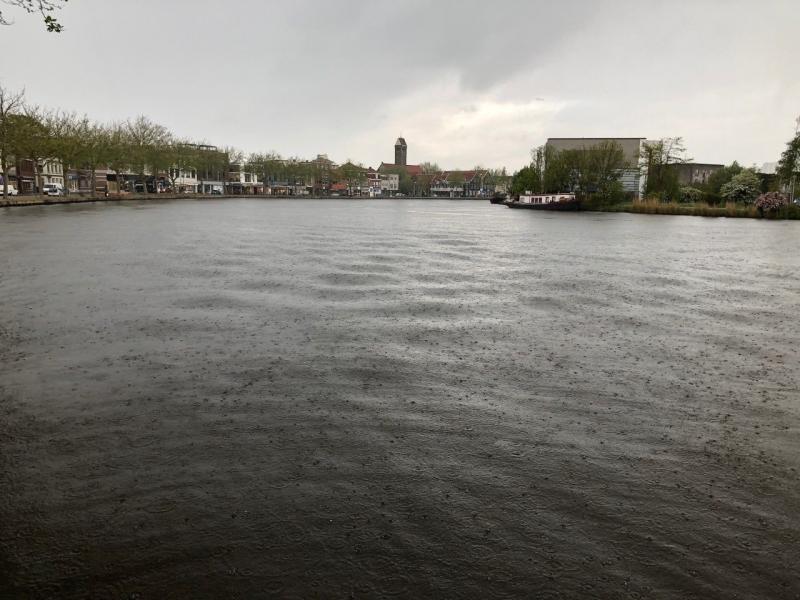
[400, 152]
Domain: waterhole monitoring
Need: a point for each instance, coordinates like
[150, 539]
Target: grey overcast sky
[465, 82]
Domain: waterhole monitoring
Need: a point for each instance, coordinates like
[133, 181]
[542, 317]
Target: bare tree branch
[43, 7]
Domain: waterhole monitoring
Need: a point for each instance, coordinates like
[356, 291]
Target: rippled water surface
[252, 398]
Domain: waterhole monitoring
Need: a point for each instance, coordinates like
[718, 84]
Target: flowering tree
[771, 201]
[744, 187]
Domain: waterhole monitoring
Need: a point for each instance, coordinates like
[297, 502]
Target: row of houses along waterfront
[283, 177]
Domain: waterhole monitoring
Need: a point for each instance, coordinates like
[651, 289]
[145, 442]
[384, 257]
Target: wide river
[300, 399]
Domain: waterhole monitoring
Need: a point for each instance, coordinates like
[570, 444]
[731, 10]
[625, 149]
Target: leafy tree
[146, 141]
[527, 179]
[744, 187]
[538, 159]
[497, 177]
[719, 178]
[655, 163]
[296, 174]
[97, 147]
[160, 159]
[11, 105]
[274, 167]
[351, 174]
[43, 7]
[558, 171]
[456, 180]
[33, 140]
[211, 164]
[421, 184]
[789, 164]
[595, 170]
[592, 172]
[549, 172]
[405, 182]
[269, 166]
[69, 135]
[182, 157]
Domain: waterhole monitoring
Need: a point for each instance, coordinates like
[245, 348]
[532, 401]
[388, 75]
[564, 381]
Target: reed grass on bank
[654, 207]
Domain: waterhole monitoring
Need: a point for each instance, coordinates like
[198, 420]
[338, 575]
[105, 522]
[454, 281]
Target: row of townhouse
[29, 177]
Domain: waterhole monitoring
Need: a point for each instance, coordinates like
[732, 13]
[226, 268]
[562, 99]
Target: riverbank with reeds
[740, 211]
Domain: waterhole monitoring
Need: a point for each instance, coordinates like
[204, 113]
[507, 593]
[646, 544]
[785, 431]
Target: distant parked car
[216, 192]
[53, 189]
[12, 190]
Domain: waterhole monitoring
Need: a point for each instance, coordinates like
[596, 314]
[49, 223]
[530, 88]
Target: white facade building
[390, 183]
[52, 172]
[239, 181]
[185, 180]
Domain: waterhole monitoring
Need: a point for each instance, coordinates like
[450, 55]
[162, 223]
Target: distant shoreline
[787, 213]
[18, 201]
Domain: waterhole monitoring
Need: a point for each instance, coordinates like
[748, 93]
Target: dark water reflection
[412, 399]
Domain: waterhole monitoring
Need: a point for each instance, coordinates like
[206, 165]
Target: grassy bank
[653, 207]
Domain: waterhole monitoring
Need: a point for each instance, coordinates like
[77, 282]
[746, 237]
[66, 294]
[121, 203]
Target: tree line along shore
[593, 172]
[138, 157]
[38, 146]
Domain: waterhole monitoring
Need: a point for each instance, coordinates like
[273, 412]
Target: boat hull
[551, 206]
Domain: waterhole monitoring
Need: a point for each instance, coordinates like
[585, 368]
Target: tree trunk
[37, 177]
[5, 175]
[94, 181]
[64, 174]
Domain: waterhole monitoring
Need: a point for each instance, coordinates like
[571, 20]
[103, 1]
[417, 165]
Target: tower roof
[400, 142]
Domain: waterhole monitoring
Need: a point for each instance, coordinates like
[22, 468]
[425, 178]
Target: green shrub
[690, 195]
